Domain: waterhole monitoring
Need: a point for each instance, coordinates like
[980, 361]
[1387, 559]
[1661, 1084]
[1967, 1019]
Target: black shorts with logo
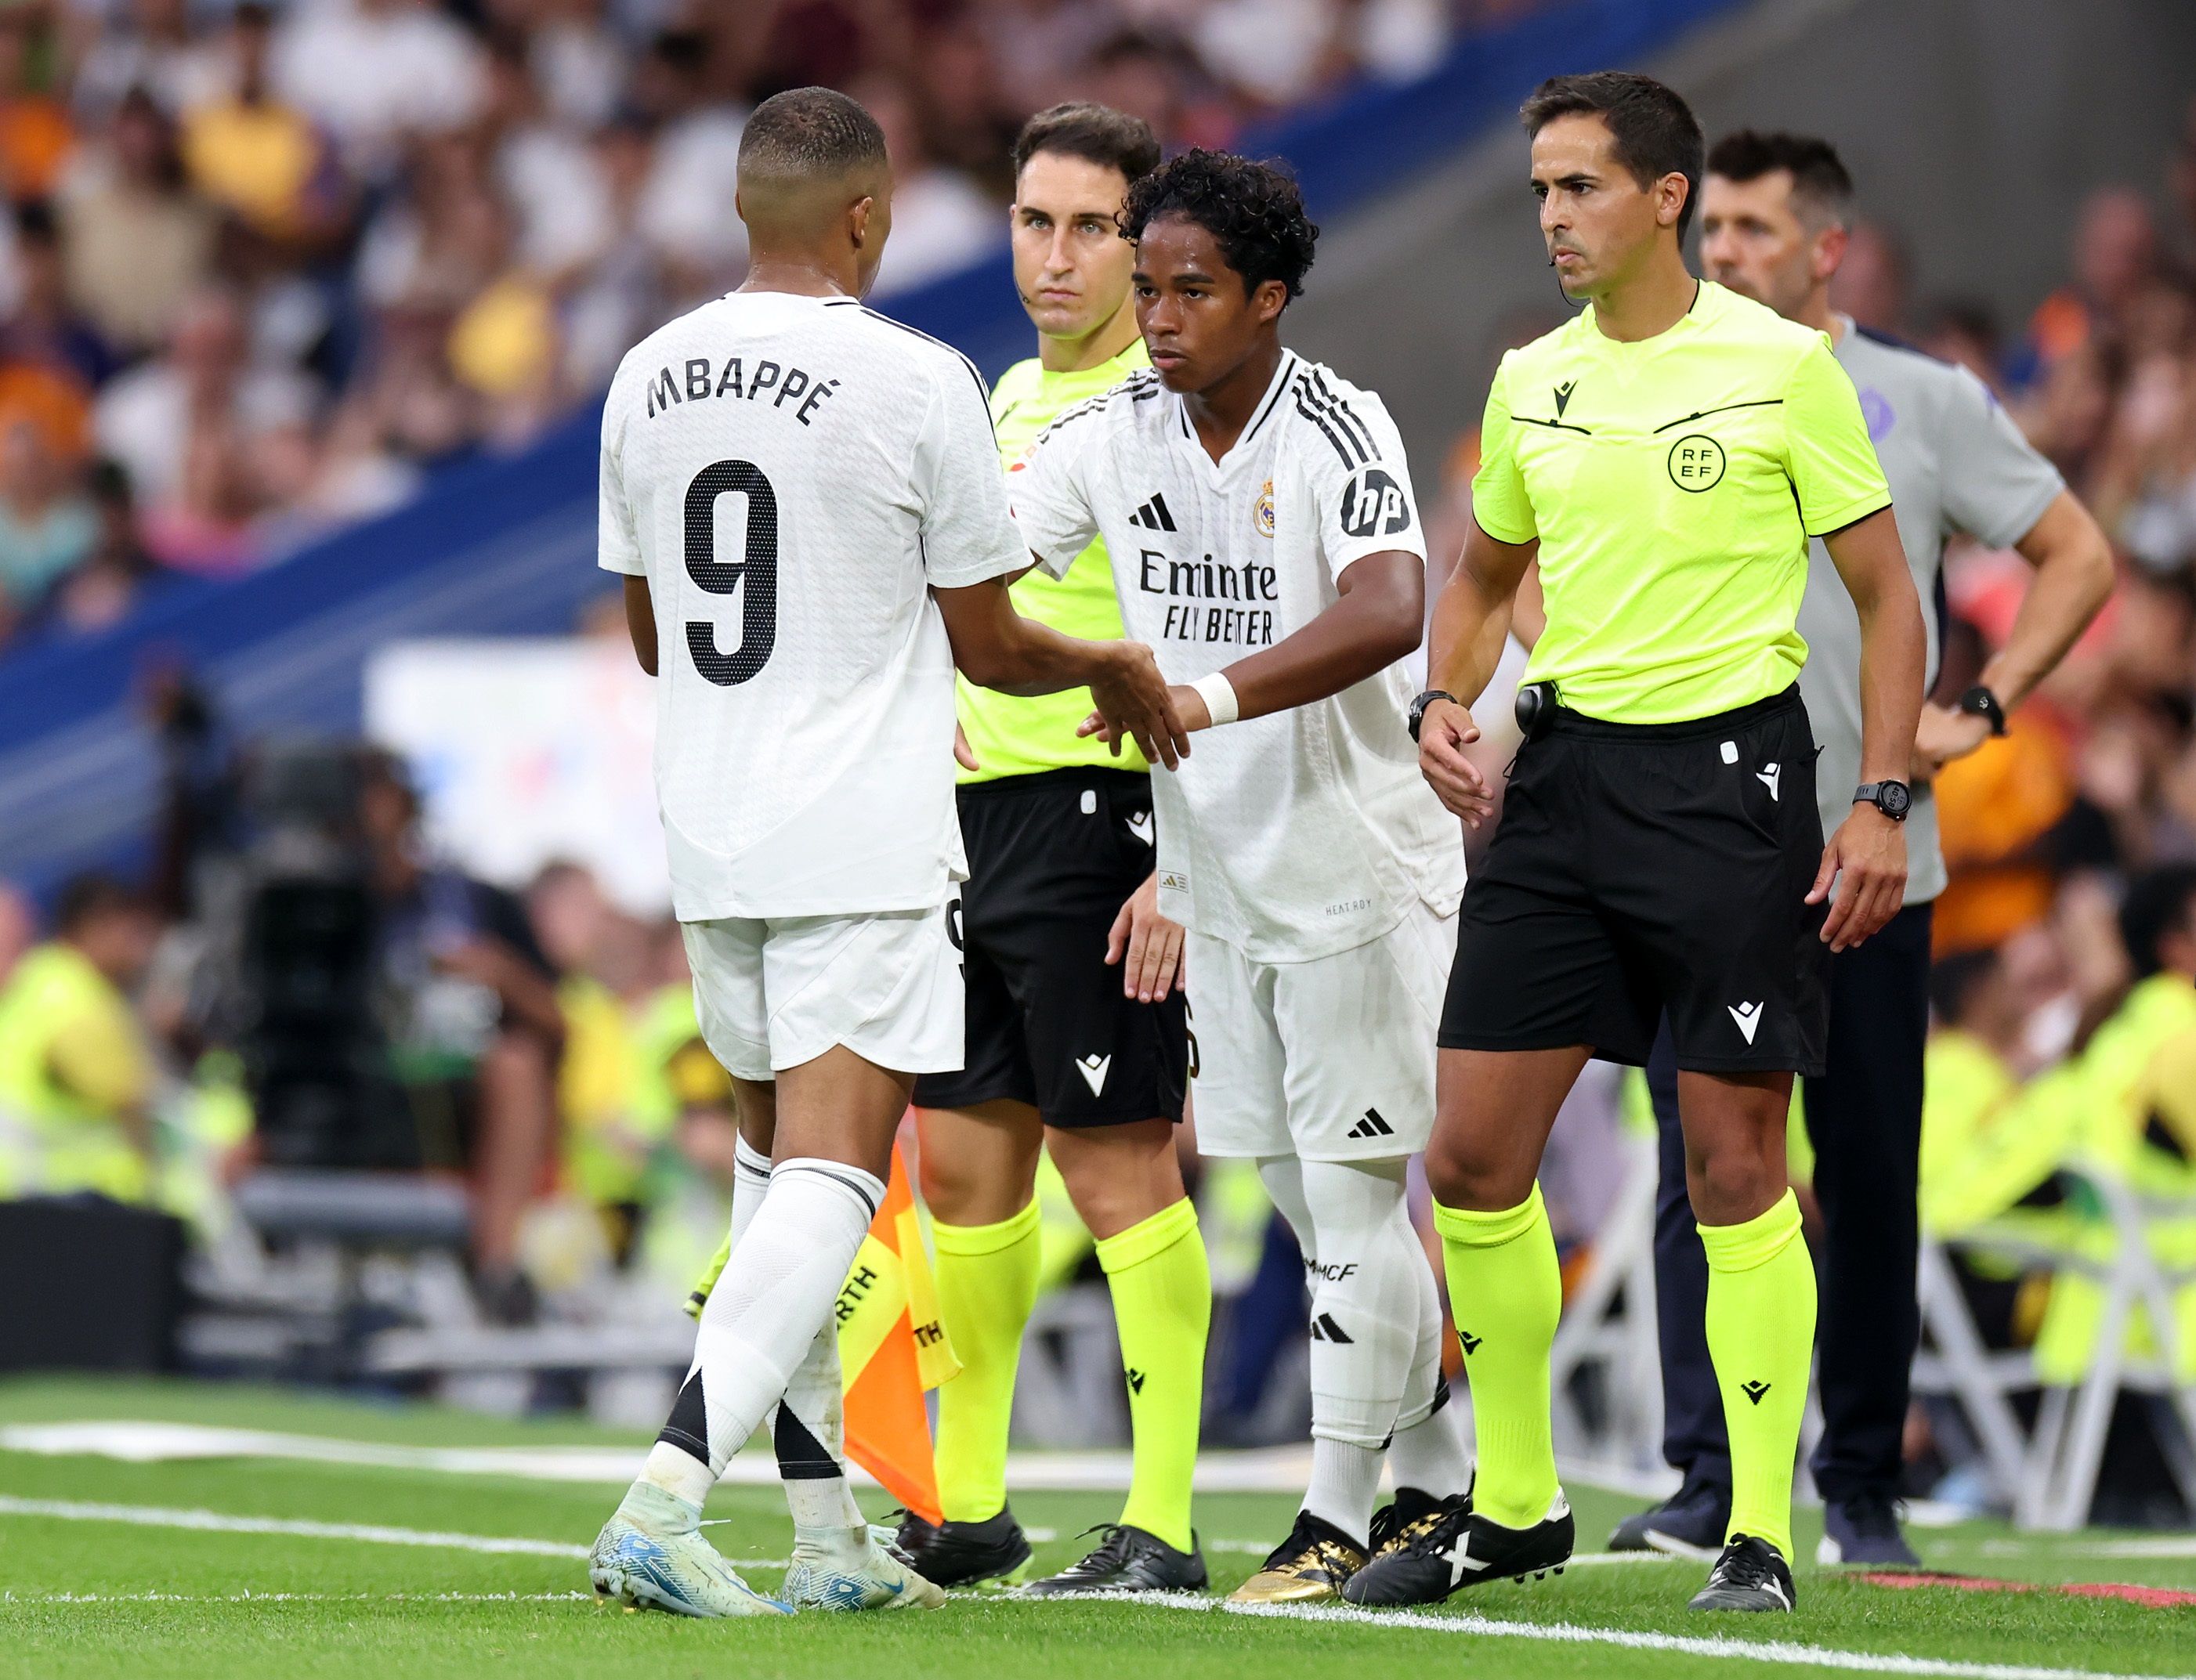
[1640, 867]
[1052, 858]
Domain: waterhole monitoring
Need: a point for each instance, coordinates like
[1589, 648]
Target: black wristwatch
[1419, 707]
[1893, 799]
[1980, 703]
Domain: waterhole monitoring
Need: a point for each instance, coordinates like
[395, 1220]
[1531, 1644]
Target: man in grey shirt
[1775, 210]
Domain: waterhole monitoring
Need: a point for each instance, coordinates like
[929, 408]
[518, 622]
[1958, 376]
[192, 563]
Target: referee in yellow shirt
[1667, 455]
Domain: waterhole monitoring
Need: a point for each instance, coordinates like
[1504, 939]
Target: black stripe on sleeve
[1343, 411]
[1348, 464]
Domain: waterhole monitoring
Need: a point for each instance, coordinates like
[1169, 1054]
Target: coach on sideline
[1774, 214]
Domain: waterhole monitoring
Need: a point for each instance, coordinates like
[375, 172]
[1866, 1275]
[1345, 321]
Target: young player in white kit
[1258, 511]
[789, 483]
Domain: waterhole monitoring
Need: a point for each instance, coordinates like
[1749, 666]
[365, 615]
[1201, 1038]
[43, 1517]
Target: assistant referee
[1667, 455]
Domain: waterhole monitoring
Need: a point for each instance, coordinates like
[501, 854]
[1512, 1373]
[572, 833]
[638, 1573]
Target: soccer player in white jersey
[804, 496]
[1258, 511]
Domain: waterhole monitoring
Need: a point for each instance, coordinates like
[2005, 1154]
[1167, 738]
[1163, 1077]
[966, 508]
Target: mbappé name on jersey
[792, 476]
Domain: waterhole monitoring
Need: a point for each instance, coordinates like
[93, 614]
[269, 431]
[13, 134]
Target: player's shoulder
[1350, 418]
[1018, 384]
[1129, 404]
[1551, 351]
[910, 347]
[1734, 318]
[1884, 360]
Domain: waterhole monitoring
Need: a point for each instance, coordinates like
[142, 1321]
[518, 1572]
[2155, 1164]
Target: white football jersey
[1302, 833]
[792, 475]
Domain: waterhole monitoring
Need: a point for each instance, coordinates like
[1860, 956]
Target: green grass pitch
[85, 1598]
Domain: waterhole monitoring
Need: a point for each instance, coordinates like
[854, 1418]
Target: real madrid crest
[1262, 514]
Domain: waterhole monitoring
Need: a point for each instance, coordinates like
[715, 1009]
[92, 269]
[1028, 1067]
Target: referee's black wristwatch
[1893, 799]
[1980, 703]
[1419, 707]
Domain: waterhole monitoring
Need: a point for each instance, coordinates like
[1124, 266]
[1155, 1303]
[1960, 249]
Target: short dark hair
[815, 133]
[1820, 184]
[1654, 131]
[87, 896]
[2157, 904]
[1253, 212]
[1097, 134]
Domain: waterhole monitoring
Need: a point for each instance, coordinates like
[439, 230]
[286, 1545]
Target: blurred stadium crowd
[261, 265]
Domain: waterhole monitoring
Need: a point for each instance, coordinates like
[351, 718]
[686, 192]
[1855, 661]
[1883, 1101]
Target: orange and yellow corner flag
[891, 1347]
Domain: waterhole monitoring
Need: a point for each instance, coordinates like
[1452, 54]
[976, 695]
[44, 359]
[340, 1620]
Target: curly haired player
[1258, 511]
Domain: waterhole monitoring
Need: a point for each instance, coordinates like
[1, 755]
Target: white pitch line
[160, 1516]
[570, 1597]
[1780, 1652]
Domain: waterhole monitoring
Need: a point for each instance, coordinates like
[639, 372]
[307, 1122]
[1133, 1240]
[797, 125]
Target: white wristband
[1219, 696]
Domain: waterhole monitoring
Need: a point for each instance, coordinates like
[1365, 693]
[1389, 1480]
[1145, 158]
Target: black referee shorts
[1052, 858]
[1644, 866]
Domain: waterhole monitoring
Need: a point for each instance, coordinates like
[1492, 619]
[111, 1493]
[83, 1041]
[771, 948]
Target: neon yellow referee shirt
[1673, 484]
[1012, 736]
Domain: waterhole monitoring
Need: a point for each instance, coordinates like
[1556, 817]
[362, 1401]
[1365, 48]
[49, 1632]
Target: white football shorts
[774, 993]
[1331, 1060]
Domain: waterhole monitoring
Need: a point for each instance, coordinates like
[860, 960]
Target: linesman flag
[891, 1347]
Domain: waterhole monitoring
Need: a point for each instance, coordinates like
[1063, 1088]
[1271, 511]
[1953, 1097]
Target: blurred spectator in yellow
[136, 240]
[254, 155]
[76, 1074]
[636, 1078]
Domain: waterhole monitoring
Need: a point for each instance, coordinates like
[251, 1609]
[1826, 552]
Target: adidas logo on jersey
[1324, 1329]
[1153, 516]
[1748, 1016]
[1094, 1070]
[1371, 1125]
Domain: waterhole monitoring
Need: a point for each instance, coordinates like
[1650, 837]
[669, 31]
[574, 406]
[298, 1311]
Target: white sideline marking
[163, 1517]
[573, 1597]
[1276, 1469]
[1782, 1652]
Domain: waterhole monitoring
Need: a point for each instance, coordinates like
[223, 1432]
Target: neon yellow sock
[1507, 1293]
[1162, 1307]
[1761, 1333]
[986, 1280]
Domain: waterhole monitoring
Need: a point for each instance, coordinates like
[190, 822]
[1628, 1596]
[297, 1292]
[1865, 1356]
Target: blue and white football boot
[651, 1556]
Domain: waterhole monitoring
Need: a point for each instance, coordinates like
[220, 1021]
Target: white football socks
[1365, 1268]
[761, 1324]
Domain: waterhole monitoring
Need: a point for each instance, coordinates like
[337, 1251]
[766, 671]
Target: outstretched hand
[1866, 858]
[1445, 731]
[1133, 701]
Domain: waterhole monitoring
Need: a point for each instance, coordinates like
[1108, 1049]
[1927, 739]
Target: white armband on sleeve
[1219, 696]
